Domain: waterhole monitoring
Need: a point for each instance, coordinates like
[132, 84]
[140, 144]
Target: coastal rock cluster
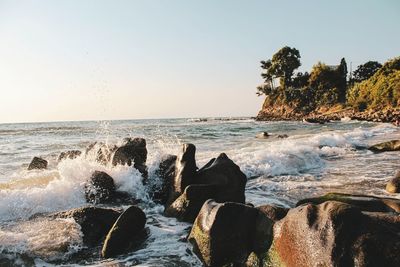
[331, 230]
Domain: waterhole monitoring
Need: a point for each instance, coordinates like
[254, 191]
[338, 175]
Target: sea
[313, 160]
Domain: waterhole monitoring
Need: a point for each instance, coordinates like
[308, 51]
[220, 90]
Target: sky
[99, 60]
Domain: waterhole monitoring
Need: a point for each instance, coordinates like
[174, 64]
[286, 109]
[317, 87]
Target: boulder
[335, 234]
[220, 179]
[37, 163]
[166, 173]
[126, 231]
[393, 186]
[365, 203]
[393, 145]
[226, 233]
[263, 135]
[100, 151]
[274, 213]
[185, 169]
[71, 154]
[95, 222]
[100, 187]
[133, 152]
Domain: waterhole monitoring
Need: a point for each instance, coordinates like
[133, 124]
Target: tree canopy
[366, 70]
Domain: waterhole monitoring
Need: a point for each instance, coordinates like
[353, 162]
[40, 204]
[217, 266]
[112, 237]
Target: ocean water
[313, 160]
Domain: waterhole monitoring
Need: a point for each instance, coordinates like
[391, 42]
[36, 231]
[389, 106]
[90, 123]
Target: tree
[342, 85]
[284, 63]
[366, 70]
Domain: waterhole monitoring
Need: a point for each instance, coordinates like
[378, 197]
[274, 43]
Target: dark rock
[71, 154]
[102, 152]
[282, 136]
[274, 213]
[315, 120]
[263, 135]
[133, 152]
[335, 234]
[99, 188]
[185, 170]
[227, 233]
[166, 172]
[393, 186]
[365, 203]
[220, 179]
[37, 163]
[393, 145]
[126, 230]
[95, 222]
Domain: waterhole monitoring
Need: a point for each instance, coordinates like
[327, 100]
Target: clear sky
[84, 60]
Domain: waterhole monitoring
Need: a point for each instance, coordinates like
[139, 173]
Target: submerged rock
[100, 187]
[393, 145]
[363, 202]
[37, 163]
[95, 222]
[133, 152]
[263, 135]
[71, 154]
[335, 234]
[393, 186]
[128, 229]
[227, 233]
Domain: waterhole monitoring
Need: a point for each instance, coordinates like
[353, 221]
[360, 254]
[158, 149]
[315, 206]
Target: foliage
[366, 70]
[381, 90]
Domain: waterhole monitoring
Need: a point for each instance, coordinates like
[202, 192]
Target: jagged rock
[227, 233]
[95, 222]
[283, 136]
[37, 163]
[100, 187]
[274, 213]
[166, 172]
[365, 203]
[185, 170]
[71, 154]
[220, 179]
[102, 152]
[335, 234]
[393, 186]
[133, 152]
[393, 145]
[127, 230]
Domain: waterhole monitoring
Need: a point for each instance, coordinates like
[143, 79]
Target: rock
[185, 169]
[314, 120]
[133, 152]
[37, 163]
[71, 154]
[393, 145]
[365, 203]
[95, 222]
[274, 213]
[100, 187]
[335, 234]
[393, 186]
[282, 136]
[227, 233]
[220, 179]
[128, 229]
[166, 173]
[263, 135]
[102, 152]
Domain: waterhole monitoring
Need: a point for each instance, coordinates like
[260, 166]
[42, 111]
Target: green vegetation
[373, 86]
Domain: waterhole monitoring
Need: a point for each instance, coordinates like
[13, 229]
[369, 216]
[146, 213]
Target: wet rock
[227, 233]
[37, 163]
[166, 172]
[315, 120]
[393, 145]
[283, 136]
[95, 222]
[274, 213]
[335, 234]
[185, 170]
[220, 179]
[263, 135]
[127, 230]
[100, 188]
[71, 154]
[102, 152]
[363, 202]
[393, 186]
[133, 152]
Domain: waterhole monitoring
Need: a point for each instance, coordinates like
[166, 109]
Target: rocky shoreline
[331, 230]
[284, 112]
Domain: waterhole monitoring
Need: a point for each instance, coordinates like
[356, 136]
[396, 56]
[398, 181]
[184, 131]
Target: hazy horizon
[106, 60]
